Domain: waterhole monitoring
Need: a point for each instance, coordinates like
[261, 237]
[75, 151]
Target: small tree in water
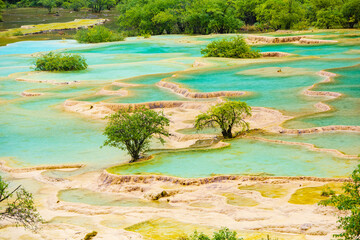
[132, 130]
[20, 206]
[226, 115]
[350, 202]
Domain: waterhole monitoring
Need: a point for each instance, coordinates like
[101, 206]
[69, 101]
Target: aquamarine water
[244, 156]
[37, 130]
[345, 142]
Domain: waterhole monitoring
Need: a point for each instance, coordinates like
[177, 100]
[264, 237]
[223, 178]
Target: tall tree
[132, 130]
[351, 12]
[226, 115]
[280, 14]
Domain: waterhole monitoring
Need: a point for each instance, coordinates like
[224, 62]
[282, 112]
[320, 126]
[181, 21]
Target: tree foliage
[97, 34]
[225, 115]
[280, 14]
[348, 202]
[99, 5]
[49, 4]
[234, 47]
[132, 130]
[60, 62]
[20, 207]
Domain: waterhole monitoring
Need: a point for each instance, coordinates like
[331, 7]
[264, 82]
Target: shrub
[18, 33]
[222, 234]
[349, 203]
[60, 62]
[98, 34]
[235, 47]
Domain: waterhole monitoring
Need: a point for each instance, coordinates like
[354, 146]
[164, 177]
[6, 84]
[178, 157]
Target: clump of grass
[60, 62]
[327, 192]
[90, 236]
[18, 33]
[98, 34]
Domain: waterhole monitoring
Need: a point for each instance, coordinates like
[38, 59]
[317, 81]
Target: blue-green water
[244, 156]
[37, 131]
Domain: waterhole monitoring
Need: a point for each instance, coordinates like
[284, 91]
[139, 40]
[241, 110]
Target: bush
[60, 62]
[98, 34]
[235, 47]
[18, 33]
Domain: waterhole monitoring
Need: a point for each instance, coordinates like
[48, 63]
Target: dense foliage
[132, 130]
[215, 16]
[60, 62]
[225, 115]
[349, 202]
[222, 234]
[97, 34]
[225, 16]
[234, 47]
[20, 208]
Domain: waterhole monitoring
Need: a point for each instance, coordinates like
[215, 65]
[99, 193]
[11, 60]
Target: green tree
[49, 4]
[20, 207]
[234, 47]
[2, 6]
[98, 5]
[76, 5]
[349, 202]
[132, 130]
[97, 34]
[280, 13]
[351, 12]
[329, 18]
[225, 115]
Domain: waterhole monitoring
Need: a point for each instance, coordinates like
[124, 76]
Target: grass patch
[313, 195]
[31, 29]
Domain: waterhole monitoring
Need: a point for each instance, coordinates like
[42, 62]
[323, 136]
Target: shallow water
[345, 142]
[244, 156]
[36, 130]
[106, 199]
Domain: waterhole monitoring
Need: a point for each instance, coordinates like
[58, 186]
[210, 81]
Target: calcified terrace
[304, 93]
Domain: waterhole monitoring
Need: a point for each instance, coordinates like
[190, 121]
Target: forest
[138, 17]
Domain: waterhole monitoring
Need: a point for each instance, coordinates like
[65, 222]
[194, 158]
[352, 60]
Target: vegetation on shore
[60, 62]
[226, 115]
[131, 130]
[20, 207]
[219, 16]
[349, 204]
[234, 47]
[97, 34]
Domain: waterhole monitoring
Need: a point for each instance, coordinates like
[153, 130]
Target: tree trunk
[227, 133]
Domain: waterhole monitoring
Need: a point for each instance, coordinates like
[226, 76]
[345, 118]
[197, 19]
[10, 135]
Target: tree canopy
[132, 130]
[225, 115]
[349, 202]
[20, 207]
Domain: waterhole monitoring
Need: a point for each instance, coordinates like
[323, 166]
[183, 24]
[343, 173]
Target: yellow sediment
[45, 28]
